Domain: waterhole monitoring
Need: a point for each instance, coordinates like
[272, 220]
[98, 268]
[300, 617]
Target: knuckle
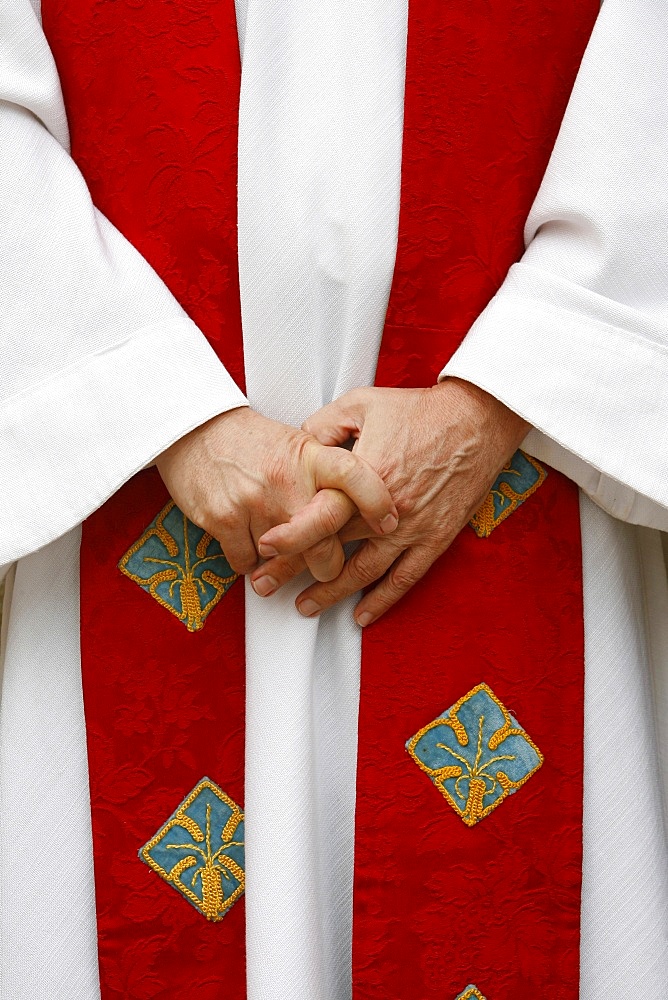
[225, 520]
[382, 600]
[406, 505]
[321, 551]
[203, 516]
[303, 447]
[365, 569]
[329, 592]
[255, 496]
[323, 595]
[402, 578]
[242, 563]
[347, 465]
[282, 569]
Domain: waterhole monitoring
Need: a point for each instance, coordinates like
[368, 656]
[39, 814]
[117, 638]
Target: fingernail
[264, 586]
[365, 618]
[388, 523]
[267, 551]
[308, 608]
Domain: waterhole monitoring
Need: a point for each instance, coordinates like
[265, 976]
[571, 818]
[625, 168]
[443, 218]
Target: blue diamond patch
[180, 565]
[199, 851]
[476, 754]
[514, 484]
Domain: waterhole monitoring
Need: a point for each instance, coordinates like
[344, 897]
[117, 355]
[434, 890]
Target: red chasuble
[469, 816]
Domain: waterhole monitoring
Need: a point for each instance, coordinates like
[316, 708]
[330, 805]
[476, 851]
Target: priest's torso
[321, 131]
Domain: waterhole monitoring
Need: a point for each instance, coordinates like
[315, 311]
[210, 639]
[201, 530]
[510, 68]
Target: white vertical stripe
[47, 902]
[625, 876]
[319, 171]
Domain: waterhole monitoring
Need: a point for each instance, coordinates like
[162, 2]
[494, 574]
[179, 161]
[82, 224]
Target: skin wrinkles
[438, 450]
[422, 458]
[240, 474]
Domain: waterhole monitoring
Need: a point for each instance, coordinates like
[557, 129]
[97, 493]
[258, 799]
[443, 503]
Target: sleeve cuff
[70, 442]
[590, 376]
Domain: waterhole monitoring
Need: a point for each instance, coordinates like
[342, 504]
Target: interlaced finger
[321, 518]
[273, 574]
[403, 574]
[340, 469]
[236, 541]
[355, 530]
[367, 564]
[325, 559]
[279, 570]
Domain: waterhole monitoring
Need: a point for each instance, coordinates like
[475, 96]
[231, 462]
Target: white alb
[576, 341]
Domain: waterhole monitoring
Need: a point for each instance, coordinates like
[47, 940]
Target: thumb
[337, 422]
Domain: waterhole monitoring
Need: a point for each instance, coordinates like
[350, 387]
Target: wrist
[475, 415]
[223, 423]
[488, 407]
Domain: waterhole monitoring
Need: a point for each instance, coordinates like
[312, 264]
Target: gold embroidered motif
[514, 484]
[210, 818]
[457, 751]
[161, 563]
[470, 993]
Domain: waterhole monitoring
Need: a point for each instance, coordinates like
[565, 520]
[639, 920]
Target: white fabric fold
[596, 391]
[624, 941]
[576, 340]
[100, 368]
[61, 459]
[48, 939]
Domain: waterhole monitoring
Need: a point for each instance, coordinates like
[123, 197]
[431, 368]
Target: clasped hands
[280, 500]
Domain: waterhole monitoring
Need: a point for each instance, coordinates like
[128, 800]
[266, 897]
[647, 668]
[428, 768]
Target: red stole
[439, 905]
[152, 96]
[152, 92]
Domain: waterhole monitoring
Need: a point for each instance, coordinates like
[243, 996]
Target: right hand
[240, 474]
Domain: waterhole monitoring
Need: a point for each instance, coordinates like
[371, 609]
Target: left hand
[240, 473]
[438, 450]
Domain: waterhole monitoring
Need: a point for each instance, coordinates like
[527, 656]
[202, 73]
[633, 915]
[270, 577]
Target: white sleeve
[100, 368]
[576, 340]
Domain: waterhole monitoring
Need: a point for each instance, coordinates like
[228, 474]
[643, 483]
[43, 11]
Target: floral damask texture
[164, 706]
[152, 94]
